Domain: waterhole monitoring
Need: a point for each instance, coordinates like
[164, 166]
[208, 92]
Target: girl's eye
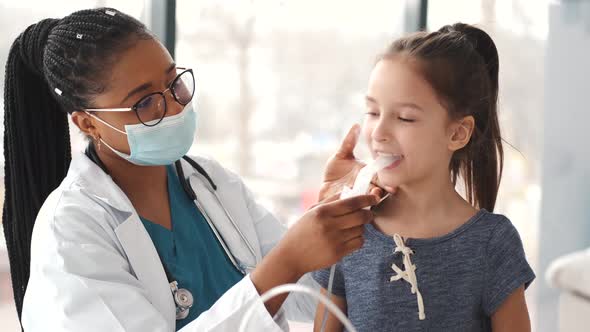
[372, 114]
[406, 120]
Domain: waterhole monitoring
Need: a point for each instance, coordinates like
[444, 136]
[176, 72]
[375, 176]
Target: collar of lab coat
[95, 182]
[236, 232]
[101, 186]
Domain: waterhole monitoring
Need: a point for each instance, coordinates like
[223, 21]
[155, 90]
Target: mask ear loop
[105, 123]
[100, 141]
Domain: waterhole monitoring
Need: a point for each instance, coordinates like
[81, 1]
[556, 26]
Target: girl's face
[404, 117]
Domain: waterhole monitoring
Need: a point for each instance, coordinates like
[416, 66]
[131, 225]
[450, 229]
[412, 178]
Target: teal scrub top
[191, 252]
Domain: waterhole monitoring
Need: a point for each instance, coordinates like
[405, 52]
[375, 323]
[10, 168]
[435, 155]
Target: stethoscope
[183, 298]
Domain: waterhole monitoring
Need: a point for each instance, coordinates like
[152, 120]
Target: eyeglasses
[151, 109]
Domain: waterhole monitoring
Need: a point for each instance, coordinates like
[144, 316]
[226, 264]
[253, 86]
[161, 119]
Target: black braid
[54, 67]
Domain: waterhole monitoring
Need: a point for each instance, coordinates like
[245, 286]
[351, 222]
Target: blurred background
[280, 82]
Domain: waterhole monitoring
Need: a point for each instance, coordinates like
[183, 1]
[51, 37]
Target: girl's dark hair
[460, 62]
[55, 67]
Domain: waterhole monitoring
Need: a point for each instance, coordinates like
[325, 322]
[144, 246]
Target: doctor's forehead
[145, 66]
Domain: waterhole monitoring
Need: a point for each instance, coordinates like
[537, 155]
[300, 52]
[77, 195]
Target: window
[278, 85]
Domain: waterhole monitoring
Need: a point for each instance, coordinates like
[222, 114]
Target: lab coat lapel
[146, 264]
[132, 235]
[215, 212]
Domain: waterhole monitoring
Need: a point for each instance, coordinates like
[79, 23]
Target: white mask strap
[105, 123]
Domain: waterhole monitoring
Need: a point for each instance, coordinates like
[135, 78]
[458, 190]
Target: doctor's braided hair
[55, 67]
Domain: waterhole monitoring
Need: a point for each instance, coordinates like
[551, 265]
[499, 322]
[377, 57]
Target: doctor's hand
[342, 169]
[325, 234]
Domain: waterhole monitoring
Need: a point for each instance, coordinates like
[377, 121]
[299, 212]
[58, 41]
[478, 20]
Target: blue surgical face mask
[162, 144]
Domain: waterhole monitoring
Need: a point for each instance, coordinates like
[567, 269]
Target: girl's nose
[381, 132]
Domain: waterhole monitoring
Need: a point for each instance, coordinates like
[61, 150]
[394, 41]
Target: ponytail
[36, 148]
[482, 169]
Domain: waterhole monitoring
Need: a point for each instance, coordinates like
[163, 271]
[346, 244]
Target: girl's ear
[460, 133]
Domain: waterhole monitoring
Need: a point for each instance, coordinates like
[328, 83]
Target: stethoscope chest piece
[183, 300]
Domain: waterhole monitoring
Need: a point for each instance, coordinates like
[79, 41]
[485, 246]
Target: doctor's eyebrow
[147, 85]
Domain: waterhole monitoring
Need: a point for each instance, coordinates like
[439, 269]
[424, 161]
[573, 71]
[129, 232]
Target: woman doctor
[131, 236]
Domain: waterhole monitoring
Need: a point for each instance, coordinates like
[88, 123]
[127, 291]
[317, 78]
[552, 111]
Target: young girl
[432, 260]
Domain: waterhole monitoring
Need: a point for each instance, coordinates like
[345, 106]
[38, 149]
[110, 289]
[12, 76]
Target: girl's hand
[342, 169]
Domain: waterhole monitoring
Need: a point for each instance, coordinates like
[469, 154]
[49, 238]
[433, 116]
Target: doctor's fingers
[348, 234]
[331, 198]
[352, 245]
[384, 190]
[351, 220]
[345, 206]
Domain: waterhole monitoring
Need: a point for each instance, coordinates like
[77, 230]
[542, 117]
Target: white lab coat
[95, 268]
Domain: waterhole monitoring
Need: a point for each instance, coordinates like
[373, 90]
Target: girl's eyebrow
[371, 100]
[408, 105]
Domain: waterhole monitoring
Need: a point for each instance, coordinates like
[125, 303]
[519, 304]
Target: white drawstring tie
[409, 274]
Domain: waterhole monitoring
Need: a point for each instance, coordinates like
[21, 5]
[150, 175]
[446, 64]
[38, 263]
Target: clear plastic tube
[287, 288]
